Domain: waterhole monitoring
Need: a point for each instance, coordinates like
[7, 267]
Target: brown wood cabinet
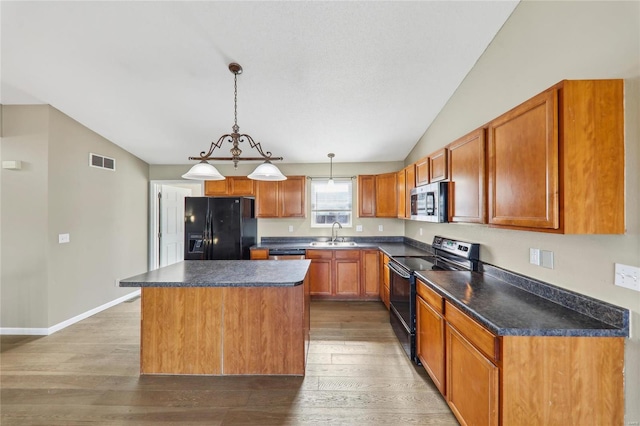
[386, 195]
[385, 279]
[366, 196]
[259, 254]
[377, 195]
[556, 162]
[281, 199]
[343, 274]
[517, 380]
[438, 170]
[406, 182]
[237, 186]
[422, 171]
[370, 277]
[430, 334]
[467, 176]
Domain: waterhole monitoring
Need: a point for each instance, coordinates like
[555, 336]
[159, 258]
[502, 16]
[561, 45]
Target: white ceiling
[361, 79]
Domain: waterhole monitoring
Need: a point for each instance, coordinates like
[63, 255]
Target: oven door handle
[396, 270]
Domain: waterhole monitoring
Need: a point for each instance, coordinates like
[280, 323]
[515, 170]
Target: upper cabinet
[406, 179]
[438, 166]
[556, 162]
[281, 199]
[422, 171]
[237, 186]
[467, 175]
[386, 195]
[377, 195]
[366, 196]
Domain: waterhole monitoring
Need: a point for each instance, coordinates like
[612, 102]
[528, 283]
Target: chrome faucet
[333, 227]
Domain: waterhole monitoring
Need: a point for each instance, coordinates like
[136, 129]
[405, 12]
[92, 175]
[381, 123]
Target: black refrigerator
[220, 228]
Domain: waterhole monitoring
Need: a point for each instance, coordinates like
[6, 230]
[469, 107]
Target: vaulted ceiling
[361, 79]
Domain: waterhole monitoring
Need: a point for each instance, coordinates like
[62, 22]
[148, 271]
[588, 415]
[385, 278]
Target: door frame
[154, 211]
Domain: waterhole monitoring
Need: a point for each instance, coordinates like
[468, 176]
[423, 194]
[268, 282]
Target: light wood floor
[357, 374]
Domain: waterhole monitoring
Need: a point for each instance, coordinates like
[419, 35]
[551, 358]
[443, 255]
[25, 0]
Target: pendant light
[205, 171]
[331, 155]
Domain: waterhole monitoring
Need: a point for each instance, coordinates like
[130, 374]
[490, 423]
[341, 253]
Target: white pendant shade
[267, 171]
[203, 171]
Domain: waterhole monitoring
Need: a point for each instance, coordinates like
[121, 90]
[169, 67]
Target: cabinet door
[347, 281]
[467, 174]
[386, 195]
[523, 165]
[422, 171]
[370, 286]
[438, 170]
[241, 186]
[291, 193]
[320, 277]
[410, 183]
[266, 199]
[366, 196]
[401, 191]
[386, 279]
[472, 382]
[430, 342]
[213, 188]
[347, 272]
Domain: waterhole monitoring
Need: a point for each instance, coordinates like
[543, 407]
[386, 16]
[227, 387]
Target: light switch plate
[380, 228]
[627, 276]
[534, 256]
[63, 238]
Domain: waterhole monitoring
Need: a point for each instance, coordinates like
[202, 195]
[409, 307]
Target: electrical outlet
[534, 256]
[358, 228]
[63, 238]
[627, 276]
[290, 228]
[420, 231]
[380, 228]
[546, 259]
[117, 282]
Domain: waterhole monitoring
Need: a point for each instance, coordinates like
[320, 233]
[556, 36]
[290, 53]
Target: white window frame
[324, 183]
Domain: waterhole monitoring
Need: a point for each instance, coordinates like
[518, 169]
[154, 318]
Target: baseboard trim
[47, 331]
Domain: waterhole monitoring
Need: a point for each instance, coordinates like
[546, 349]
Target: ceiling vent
[102, 162]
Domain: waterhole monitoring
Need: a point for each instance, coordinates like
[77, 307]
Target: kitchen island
[224, 317]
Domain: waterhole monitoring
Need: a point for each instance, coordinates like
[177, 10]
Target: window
[331, 203]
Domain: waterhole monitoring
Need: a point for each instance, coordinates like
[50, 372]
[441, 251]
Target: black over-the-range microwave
[429, 202]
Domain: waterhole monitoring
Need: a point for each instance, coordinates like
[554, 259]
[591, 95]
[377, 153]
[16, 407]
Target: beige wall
[541, 44]
[302, 227]
[105, 213]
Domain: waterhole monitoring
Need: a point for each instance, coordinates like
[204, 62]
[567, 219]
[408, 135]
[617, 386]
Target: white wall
[45, 283]
[541, 44]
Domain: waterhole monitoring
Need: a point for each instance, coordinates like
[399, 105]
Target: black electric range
[449, 255]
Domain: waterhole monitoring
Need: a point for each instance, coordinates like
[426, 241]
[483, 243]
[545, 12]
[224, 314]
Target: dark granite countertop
[507, 310]
[388, 245]
[223, 273]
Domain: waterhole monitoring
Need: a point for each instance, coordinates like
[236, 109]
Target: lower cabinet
[518, 380]
[472, 382]
[343, 274]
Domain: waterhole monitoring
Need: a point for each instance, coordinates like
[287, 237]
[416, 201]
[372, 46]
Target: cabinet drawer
[432, 298]
[319, 254]
[348, 254]
[480, 337]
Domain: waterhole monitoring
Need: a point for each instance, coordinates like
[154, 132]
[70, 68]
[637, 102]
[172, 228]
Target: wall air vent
[102, 162]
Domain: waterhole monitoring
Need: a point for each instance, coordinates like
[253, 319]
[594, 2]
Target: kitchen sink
[333, 244]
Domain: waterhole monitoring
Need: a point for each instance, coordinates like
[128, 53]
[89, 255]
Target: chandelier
[205, 171]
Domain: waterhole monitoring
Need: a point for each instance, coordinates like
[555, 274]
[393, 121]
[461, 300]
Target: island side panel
[264, 330]
[181, 330]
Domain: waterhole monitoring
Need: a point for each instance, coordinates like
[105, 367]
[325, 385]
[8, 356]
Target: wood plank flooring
[88, 373]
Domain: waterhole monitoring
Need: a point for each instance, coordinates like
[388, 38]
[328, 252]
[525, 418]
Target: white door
[172, 224]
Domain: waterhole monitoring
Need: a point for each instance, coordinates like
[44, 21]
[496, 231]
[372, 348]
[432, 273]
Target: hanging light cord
[235, 102]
